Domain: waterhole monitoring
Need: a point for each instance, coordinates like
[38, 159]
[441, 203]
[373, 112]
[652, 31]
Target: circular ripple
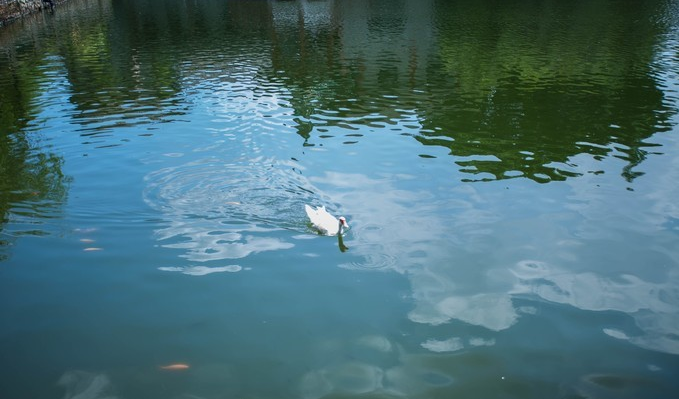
[531, 269]
[215, 210]
[375, 261]
[261, 192]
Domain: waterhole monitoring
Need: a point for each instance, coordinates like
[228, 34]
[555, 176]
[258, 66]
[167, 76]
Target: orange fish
[175, 366]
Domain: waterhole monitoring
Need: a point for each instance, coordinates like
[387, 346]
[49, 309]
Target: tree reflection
[32, 182]
[512, 89]
[118, 76]
[548, 83]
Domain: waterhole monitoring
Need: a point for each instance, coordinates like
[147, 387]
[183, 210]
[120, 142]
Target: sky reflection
[509, 172]
[460, 271]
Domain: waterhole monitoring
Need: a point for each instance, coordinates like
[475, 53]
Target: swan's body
[324, 222]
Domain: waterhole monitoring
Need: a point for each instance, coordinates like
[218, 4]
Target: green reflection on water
[513, 90]
[213, 122]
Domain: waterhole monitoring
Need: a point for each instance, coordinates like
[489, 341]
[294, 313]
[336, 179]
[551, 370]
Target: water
[509, 171]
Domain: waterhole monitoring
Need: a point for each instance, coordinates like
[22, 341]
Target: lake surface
[509, 170]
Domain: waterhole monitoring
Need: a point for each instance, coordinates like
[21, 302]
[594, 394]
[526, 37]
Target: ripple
[217, 210]
[85, 384]
[257, 191]
[374, 260]
[349, 378]
[531, 269]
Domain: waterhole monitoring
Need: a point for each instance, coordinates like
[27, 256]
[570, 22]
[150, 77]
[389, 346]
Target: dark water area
[509, 171]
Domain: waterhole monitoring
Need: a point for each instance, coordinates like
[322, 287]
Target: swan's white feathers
[323, 221]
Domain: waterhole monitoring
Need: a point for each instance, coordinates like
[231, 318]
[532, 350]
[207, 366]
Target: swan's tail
[311, 212]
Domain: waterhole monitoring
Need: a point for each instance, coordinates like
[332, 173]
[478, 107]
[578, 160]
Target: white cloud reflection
[467, 263]
[406, 231]
[448, 345]
[213, 245]
[654, 306]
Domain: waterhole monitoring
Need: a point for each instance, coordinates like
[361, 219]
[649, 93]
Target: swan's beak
[343, 223]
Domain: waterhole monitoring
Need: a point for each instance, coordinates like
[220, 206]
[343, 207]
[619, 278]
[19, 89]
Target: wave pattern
[217, 210]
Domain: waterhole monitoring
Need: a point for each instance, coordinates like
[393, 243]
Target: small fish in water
[176, 366]
[92, 249]
[87, 240]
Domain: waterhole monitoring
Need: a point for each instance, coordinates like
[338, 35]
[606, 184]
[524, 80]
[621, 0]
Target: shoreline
[13, 10]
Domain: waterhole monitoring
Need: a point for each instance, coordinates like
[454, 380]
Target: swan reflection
[340, 244]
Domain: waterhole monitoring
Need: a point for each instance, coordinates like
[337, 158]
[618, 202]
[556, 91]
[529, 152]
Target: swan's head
[343, 222]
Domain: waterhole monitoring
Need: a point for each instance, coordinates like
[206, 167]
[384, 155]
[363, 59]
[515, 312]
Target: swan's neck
[340, 229]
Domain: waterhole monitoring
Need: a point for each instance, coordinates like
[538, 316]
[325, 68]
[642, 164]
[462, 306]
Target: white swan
[324, 222]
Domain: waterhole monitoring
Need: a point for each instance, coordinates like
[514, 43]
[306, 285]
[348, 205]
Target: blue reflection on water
[160, 165]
